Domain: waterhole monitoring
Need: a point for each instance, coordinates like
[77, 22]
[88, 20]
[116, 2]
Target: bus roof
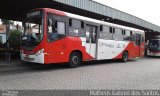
[102, 22]
[58, 12]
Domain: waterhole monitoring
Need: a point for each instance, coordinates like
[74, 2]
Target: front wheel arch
[77, 55]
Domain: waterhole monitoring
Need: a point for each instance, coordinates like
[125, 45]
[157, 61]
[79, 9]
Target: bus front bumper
[36, 58]
[153, 54]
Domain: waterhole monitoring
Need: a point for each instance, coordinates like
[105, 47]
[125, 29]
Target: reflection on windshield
[33, 33]
[154, 45]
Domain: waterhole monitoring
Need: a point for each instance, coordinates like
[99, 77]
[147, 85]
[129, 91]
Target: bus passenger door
[91, 36]
[137, 42]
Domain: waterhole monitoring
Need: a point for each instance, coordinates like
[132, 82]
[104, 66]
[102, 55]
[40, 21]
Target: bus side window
[137, 39]
[94, 34]
[70, 22]
[118, 34]
[87, 34]
[127, 35]
[60, 27]
[105, 33]
[56, 29]
[111, 31]
[76, 28]
[143, 39]
[52, 26]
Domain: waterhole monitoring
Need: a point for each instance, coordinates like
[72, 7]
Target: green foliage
[5, 22]
[15, 39]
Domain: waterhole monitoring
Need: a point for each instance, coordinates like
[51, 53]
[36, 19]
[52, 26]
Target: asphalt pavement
[137, 74]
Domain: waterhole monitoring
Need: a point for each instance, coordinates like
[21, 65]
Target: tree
[5, 22]
[15, 39]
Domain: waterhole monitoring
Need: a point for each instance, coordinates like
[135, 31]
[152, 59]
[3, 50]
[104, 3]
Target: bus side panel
[60, 50]
[55, 51]
[110, 49]
[77, 44]
[131, 51]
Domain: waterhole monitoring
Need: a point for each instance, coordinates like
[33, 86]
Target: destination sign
[35, 13]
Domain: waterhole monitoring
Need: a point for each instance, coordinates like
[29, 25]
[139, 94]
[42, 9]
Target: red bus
[53, 36]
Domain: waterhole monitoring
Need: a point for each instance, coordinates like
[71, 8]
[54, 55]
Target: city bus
[153, 47]
[53, 36]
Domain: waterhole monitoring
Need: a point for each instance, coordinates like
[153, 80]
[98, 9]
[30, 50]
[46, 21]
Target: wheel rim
[75, 60]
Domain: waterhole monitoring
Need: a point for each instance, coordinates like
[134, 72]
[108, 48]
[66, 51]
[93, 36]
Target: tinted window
[94, 34]
[56, 30]
[154, 43]
[143, 39]
[76, 24]
[91, 33]
[76, 28]
[118, 34]
[60, 27]
[105, 33]
[128, 35]
[33, 32]
[87, 34]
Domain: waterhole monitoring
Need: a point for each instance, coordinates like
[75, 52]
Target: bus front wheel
[125, 56]
[74, 60]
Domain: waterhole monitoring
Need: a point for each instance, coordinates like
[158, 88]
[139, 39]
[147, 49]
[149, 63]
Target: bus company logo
[103, 44]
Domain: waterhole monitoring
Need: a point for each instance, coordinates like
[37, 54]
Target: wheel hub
[75, 60]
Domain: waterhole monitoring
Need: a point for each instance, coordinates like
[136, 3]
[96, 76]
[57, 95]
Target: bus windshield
[154, 45]
[33, 32]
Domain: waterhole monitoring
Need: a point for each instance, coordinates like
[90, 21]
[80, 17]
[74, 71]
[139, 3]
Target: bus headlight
[39, 52]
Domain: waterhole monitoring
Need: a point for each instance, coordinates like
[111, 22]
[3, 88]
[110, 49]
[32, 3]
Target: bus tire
[125, 56]
[145, 53]
[74, 60]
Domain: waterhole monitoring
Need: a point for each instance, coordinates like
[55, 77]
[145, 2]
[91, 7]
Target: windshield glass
[154, 45]
[33, 32]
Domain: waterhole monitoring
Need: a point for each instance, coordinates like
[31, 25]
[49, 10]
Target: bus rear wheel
[125, 56]
[74, 60]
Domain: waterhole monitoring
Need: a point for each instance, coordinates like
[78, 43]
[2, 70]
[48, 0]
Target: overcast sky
[148, 10]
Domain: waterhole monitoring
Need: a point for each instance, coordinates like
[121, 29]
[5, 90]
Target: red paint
[133, 51]
[54, 11]
[65, 46]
